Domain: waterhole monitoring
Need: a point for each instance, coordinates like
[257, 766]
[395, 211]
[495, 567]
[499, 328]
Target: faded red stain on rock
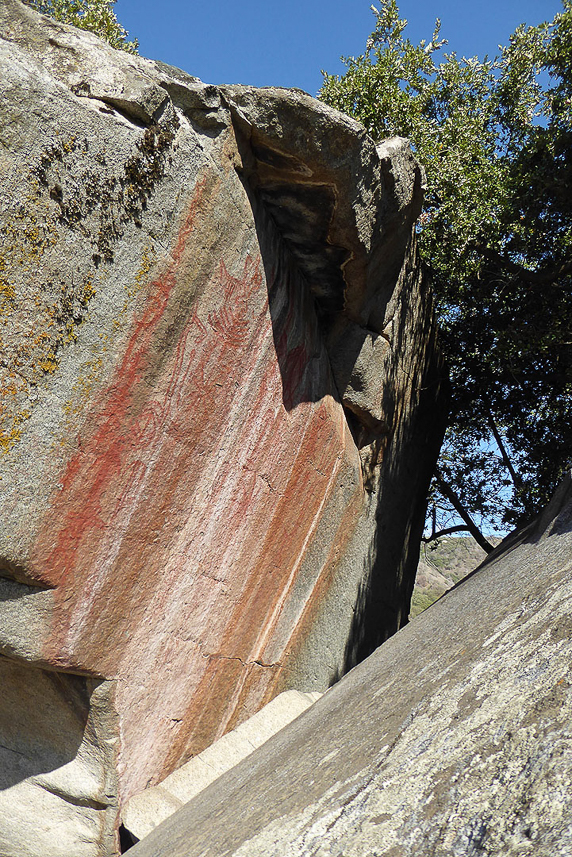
[184, 518]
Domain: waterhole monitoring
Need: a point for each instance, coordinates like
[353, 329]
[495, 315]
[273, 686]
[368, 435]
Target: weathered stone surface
[188, 510]
[362, 391]
[144, 811]
[453, 739]
[58, 778]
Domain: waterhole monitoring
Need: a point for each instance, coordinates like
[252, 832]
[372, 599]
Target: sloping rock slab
[453, 739]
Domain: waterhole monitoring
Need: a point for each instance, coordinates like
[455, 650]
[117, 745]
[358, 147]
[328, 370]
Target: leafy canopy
[495, 138]
[97, 16]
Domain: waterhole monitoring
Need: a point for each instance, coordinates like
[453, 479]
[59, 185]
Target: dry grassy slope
[441, 567]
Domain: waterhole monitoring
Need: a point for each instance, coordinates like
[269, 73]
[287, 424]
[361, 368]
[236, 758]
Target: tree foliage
[97, 16]
[495, 138]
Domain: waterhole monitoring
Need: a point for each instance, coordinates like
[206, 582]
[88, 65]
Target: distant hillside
[441, 567]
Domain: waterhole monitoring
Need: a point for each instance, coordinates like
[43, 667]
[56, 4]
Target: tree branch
[458, 529]
[455, 502]
[504, 454]
[548, 275]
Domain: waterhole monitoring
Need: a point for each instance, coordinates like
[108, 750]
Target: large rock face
[219, 390]
[454, 739]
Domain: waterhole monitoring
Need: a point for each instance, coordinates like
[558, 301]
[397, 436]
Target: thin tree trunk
[504, 454]
[450, 495]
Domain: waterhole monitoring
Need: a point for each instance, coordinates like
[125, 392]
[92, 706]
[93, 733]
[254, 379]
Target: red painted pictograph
[231, 321]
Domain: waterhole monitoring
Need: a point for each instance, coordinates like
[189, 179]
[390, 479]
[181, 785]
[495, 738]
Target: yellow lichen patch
[9, 389]
[10, 429]
[88, 291]
[68, 145]
[7, 294]
[37, 318]
[49, 365]
[148, 259]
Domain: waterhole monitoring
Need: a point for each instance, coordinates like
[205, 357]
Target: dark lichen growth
[144, 170]
[80, 202]
[118, 199]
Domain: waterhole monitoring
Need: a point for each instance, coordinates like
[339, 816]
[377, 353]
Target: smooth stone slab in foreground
[454, 738]
[148, 808]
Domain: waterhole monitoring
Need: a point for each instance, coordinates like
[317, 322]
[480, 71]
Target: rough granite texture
[220, 398]
[454, 739]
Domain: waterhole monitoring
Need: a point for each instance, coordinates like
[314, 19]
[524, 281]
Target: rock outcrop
[454, 739]
[220, 408]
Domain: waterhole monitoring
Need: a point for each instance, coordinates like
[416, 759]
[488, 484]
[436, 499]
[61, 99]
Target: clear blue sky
[265, 42]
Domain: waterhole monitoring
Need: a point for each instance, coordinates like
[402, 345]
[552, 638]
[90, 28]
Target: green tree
[495, 138]
[97, 16]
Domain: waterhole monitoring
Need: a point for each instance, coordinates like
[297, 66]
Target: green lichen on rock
[56, 249]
